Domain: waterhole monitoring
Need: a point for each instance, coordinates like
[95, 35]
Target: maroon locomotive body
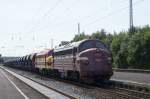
[87, 60]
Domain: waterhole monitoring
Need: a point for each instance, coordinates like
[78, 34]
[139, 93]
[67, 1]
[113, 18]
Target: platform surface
[40, 88]
[7, 89]
[133, 77]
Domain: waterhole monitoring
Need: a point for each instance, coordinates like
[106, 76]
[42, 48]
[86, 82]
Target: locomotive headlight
[109, 59]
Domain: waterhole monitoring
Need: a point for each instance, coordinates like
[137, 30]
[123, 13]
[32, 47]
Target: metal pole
[78, 28]
[131, 17]
[51, 43]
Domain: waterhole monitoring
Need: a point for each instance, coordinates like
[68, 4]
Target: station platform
[49, 93]
[139, 78]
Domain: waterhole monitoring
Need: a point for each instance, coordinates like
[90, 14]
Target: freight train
[88, 61]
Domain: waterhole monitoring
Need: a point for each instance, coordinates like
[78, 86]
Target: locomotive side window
[63, 52]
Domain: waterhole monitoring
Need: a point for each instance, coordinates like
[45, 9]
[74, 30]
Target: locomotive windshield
[92, 44]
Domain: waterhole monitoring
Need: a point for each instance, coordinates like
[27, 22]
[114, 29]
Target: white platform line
[129, 81]
[15, 86]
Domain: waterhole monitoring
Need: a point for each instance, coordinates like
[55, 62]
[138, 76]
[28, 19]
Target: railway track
[106, 91]
[134, 93]
[123, 93]
[112, 92]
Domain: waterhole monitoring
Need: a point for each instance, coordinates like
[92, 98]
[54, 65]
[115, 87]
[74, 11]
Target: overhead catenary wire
[65, 10]
[61, 23]
[31, 31]
[50, 10]
[36, 13]
[88, 24]
[79, 20]
[111, 14]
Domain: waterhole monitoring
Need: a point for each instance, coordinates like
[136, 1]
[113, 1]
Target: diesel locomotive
[88, 61]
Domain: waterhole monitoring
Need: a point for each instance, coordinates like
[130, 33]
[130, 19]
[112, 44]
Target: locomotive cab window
[92, 44]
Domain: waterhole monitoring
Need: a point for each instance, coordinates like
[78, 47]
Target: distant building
[5, 59]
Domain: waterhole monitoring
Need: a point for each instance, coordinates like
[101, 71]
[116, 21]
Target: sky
[29, 26]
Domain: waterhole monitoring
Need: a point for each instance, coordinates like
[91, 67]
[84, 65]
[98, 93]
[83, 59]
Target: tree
[101, 35]
[139, 49]
[119, 50]
[108, 40]
[80, 37]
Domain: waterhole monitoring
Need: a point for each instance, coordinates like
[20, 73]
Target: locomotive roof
[44, 53]
[71, 45]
